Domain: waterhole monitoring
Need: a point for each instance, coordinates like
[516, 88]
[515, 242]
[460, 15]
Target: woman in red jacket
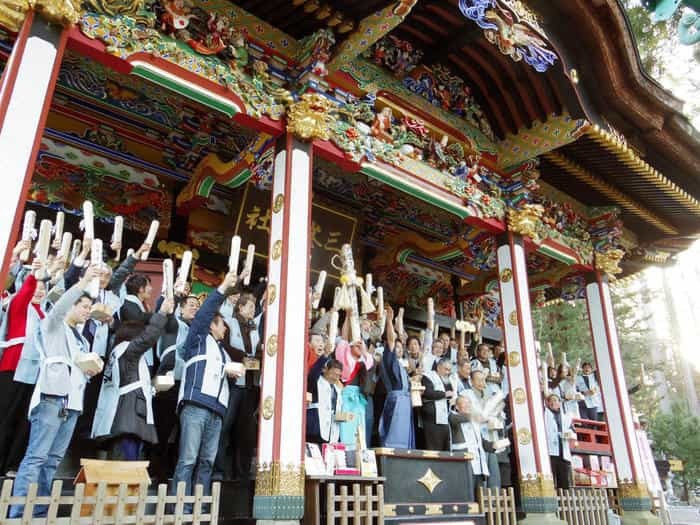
[23, 314]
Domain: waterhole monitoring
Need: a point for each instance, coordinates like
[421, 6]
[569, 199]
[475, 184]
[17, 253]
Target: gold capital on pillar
[526, 220]
[609, 262]
[64, 13]
[634, 490]
[13, 12]
[311, 118]
[537, 487]
[274, 480]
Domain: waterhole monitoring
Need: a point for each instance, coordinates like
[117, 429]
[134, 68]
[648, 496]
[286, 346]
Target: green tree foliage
[677, 434]
[565, 325]
[655, 42]
[637, 343]
[659, 50]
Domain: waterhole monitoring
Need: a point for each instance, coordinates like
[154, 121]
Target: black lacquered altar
[427, 486]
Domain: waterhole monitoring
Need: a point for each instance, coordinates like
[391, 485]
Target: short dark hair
[586, 363]
[482, 345]
[334, 363]
[243, 299]
[463, 361]
[186, 298]
[135, 282]
[411, 337]
[84, 295]
[216, 316]
[128, 330]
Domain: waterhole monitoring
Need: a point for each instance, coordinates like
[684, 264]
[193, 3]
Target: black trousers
[561, 470]
[588, 413]
[437, 437]
[245, 432]
[224, 463]
[163, 456]
[14, 421]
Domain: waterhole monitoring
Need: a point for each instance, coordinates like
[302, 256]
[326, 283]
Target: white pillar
[26, 91]
[279, 487]
[527, 408]
[632, 488]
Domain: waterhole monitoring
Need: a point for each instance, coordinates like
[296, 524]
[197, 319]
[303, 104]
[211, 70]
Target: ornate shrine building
[491, 154]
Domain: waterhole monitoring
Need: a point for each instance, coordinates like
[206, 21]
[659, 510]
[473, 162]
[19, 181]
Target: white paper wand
[318, 289]
[88, 220]
[183, 273]
[248, 268]
[58, 229]
[234, 254]
[28, 232]
[44, 242]
[168, 276]
[64, 250]
[117, 235]
[150, 238]
[96, 260]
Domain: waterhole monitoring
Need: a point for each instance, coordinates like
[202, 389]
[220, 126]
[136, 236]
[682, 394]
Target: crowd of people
[435, 392]
[179, 384]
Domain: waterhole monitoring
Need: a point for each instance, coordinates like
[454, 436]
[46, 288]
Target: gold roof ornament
[64, 13]
[609, 262]
[12, 13]
[311, 118]
[526, 221]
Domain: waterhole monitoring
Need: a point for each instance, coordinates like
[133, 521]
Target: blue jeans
[199, 441]
[49, 438]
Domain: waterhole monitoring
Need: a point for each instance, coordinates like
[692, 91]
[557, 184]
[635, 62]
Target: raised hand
[144, 248]
[167, 306]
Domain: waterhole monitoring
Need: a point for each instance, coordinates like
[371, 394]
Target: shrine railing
[109, 504]
[589, 506]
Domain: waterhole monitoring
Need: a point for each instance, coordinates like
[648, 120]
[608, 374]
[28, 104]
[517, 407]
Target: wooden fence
[583, 506]
[498, 505]
[103, 504]
[359, 508]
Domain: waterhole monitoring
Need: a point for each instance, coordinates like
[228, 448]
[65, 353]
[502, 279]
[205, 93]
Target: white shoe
[11, 474]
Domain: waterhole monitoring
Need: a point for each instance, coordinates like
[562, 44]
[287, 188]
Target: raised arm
[390, 334]
[123, 271]
[69, 298]
[154, 329]
[200, 324]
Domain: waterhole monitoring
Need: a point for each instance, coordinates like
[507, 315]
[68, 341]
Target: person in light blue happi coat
[170, 352]
[58, 396]
[204, 392]
[124, 415]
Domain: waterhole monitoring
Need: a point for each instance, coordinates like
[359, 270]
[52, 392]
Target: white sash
[45, 362]
[111, 392]
[441, 406]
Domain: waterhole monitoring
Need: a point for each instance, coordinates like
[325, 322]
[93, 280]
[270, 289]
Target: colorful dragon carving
[212, 170]
[399, 248]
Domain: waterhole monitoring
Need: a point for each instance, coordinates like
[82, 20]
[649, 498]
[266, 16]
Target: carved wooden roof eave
[629, 90]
